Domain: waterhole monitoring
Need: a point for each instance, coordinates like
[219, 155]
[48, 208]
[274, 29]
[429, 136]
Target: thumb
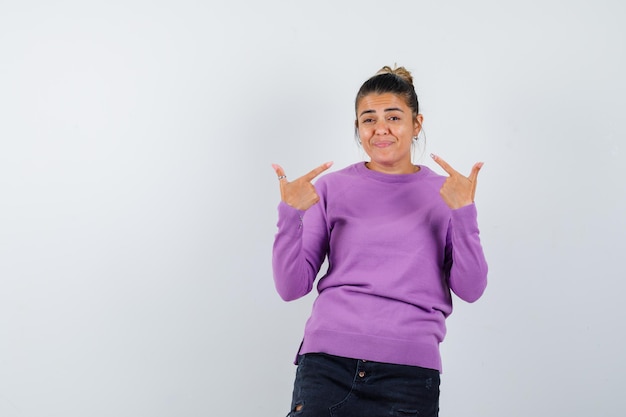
[475, 169]
[474, 177]
[280, 172]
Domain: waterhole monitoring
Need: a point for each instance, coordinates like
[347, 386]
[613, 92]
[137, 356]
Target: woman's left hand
[458, 190]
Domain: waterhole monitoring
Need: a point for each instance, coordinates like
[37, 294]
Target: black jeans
[332, 386]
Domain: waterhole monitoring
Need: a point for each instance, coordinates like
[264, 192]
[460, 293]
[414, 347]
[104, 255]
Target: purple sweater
[395, 250]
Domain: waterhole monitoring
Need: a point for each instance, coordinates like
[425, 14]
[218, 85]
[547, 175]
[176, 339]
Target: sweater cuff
[465, 219]
[289, 218]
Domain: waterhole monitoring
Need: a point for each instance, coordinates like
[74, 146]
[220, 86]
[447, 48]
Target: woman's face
[386, 128]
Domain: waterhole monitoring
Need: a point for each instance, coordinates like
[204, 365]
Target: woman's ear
[356, 131]
[417, 124]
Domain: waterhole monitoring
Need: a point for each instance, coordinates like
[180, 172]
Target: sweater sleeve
[465, 258]
[298, 251]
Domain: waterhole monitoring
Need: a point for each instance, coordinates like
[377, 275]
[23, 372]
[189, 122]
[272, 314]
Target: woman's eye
[394, 118]
[368, 120]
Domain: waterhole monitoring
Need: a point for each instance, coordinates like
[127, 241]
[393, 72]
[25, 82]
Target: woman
[398, 239]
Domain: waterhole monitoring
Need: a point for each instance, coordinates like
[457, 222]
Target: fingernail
[432, 155]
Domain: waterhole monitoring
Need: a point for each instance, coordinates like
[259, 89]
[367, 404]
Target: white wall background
[137, 201]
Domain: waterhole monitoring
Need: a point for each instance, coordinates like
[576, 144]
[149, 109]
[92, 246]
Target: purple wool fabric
[395, 250]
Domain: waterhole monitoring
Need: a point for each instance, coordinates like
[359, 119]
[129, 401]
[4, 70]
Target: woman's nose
[382, 128]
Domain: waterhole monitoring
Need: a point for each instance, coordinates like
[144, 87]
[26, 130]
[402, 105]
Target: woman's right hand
[300, 193]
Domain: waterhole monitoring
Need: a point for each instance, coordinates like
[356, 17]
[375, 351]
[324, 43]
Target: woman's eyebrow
[386, 110]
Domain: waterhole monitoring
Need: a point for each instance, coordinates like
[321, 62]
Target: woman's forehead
[383, 101]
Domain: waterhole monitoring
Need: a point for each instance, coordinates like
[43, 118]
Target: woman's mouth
[382, 143]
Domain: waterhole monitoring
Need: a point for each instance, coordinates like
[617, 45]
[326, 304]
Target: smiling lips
[382, 143]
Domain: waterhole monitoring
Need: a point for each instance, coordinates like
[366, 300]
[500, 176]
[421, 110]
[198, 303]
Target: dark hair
[396, 81]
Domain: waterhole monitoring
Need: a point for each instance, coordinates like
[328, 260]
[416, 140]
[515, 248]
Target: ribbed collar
[362, 170]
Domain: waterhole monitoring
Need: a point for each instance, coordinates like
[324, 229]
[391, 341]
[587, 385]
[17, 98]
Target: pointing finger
[443, 164]
[317, 171]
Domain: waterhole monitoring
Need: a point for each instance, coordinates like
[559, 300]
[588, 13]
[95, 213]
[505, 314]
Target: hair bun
[398, 72]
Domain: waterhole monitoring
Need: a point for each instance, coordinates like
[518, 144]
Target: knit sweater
[394, 250]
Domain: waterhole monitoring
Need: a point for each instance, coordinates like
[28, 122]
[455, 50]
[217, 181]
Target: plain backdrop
[138, 202]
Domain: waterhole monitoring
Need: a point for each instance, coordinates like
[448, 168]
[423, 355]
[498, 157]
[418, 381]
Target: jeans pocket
[401, 412]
